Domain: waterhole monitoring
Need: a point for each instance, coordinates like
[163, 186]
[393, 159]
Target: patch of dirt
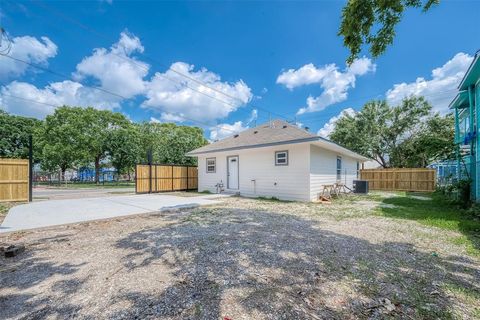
[241, 259]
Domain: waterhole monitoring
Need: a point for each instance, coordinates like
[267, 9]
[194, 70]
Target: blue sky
[251, 57]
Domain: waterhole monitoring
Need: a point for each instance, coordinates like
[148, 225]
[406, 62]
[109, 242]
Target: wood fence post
[394, 178]
[30, 168]
[150, 170]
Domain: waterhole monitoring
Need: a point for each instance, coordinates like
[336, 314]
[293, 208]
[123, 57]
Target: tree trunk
[62, 176]
[97, 170]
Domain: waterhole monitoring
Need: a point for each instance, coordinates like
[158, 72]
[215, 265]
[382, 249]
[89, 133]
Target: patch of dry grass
[244, 259]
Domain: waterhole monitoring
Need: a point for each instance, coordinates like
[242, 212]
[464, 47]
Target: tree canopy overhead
[373, 22]
[14, 135]
[73, 137]
[406, 135]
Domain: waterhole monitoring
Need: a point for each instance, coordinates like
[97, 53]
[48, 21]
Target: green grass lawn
[90, 185]
[437, 212]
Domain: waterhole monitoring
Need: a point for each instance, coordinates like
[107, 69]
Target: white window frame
[282, 152]
[214, 165]
[339, 170]
[358, 169]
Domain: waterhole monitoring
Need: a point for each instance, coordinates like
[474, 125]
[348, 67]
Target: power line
[199, 82]
[130, 60]
[93, 87]
[29, 100]
[58, 74]
[202, 83]
[55, 106]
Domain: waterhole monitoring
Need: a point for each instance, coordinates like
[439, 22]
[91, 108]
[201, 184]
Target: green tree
[14, 135]
[434, 140]
[372, 22]
[124, 148]
[61, 139]
[170, 142]
[99, 127]
[378, 130]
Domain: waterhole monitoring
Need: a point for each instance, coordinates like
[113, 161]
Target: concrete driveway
[46, 193]
[57, 212]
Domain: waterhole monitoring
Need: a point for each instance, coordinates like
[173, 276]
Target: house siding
[323, 170]
[258, 174]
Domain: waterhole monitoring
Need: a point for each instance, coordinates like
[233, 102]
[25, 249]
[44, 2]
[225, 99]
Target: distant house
[466, 107]
[276, 159]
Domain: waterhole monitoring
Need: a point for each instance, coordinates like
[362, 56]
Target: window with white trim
[211, 165]
[281, 158]
[339, 168]
[358, 169]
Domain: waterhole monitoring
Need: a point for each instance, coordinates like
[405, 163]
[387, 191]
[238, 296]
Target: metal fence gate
[163, 178]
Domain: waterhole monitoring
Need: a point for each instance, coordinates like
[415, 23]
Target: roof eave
[339, 148]
[473, 66]
[457, 101]
[262, 145]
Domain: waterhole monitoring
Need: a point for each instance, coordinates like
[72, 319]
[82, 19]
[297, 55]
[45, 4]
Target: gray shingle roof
[276, 131]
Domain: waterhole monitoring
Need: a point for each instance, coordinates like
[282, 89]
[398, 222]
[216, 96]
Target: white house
[276, 159]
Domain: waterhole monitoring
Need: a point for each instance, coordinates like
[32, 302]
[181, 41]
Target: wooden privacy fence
[162, 178]
[401, 179]
[14, 180]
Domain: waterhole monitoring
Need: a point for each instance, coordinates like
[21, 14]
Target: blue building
[466, 107]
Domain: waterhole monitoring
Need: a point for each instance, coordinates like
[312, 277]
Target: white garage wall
[323, 170]
[258, 174]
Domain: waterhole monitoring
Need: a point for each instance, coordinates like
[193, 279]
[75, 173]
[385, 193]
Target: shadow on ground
[275, 266]
[28, 270]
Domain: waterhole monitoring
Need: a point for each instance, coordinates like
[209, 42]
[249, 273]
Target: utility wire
[132, 61]
[199, 82]
[96, 88]
[202, 83]
[60, 75]
[93, 87]
[55, 106]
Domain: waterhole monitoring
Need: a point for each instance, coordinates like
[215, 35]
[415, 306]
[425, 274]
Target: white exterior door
[232, 172]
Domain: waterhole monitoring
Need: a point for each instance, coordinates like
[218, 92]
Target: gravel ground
[242, 259]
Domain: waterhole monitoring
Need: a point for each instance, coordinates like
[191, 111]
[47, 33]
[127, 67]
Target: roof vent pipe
[307, 128]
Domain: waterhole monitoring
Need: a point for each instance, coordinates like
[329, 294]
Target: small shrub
[458, 192]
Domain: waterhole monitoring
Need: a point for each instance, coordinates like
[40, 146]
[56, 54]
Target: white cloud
[115, 68]
[55, 94]
[440, 89]
[224, 130]
[328, 127]
[335, 83]
[169, 117]
[170, 92]
[29, 49]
